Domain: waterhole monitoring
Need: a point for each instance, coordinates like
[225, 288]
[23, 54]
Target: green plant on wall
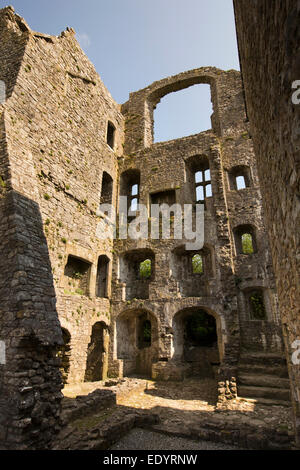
[145, 269]
[257, 306]
[197, 264]
[77, 275]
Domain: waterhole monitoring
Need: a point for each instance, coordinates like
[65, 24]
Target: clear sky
[135, 42]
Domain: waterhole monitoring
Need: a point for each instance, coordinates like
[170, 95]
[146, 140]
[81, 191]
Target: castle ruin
[76, 308]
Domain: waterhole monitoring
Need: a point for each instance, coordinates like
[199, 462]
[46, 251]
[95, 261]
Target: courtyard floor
[187, 409]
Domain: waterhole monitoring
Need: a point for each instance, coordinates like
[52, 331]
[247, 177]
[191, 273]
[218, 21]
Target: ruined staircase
[263, 377]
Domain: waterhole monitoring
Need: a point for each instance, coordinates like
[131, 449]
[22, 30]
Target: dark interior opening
[164, 197]
[94, 363]
[102, 277]
[257, 306]
[106, 189]
[110, 138]
[144, 332]
[77, 272]
[200, 329]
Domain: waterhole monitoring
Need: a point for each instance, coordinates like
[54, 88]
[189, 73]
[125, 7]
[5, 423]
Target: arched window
[197, 264]
[247, 244]
[245, 240]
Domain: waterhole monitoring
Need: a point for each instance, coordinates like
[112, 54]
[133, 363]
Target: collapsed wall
[268, 39]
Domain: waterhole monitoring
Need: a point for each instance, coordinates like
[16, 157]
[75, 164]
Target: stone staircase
[263, 377]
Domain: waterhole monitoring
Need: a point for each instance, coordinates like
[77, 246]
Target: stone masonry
[268, 39]
[74, 301]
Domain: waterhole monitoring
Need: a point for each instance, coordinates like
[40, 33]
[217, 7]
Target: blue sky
[135, 42]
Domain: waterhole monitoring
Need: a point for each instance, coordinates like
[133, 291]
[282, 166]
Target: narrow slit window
[134, 189]
[110, 136]
[106, 189]
[240, 182]
[102, 276]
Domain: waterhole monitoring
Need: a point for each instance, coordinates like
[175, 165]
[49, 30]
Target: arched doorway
[137, 342]
[195, 341]
[64, 354]
[96, 354]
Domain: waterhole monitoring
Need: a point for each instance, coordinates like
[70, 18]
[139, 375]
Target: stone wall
[53, 155]
[268, 38]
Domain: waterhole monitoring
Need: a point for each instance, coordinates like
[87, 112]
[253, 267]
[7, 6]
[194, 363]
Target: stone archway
[137, 341]
[196, 341]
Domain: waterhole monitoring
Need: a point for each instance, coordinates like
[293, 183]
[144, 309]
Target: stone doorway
[195, 342]
[137, 342]
[96, 352]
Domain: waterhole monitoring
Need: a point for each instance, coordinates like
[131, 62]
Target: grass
[91, 421]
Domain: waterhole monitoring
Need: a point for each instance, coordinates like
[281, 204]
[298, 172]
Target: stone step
[264, 381]
[267, 359]
[248, 391]
[262, 369]
[269, 401]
